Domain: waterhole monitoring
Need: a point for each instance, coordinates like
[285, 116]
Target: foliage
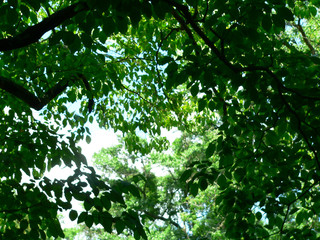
[140, 65]
[160, 197]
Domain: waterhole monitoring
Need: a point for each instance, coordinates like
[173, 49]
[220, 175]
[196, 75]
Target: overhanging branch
[38, 102]
[189, 19]
[33, 33]
[28, 97]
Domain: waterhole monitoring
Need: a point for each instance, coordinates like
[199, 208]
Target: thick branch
[33, 33]
[28, 97]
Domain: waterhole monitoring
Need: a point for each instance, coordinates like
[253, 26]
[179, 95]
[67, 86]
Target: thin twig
[137, 93]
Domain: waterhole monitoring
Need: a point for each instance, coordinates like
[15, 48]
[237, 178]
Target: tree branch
[203, 36]
[28, 97]
[304, 37]
[189, 19]
[89, 89]
[7, 211]
[162, 218]
[137, 93]
[295, 91]
[33, 33]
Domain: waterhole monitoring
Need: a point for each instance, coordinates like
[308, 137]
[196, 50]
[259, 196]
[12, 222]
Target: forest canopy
[244, 70]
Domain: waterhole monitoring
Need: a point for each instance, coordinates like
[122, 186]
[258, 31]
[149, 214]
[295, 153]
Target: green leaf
[25, 11]
[42, 234]
[285, 13]
[258, 216]
[301, 217]
[12, 16]
[194, 90]
[102, 37]
[160, 8]
[279, 222]
[251, 219]
[239, 174]
[203, 183]
[262, 232]
[88, 204]
[55, 38]
[107, 221]
[88, 139]
[226, 161]
[120, 225]
[57, 190]
[89, 23]
[109, 26]
[73, 214]
[67, 194]
[194, 188]
[35, 4]
[68, 37]
[86, 40]
[135, 17]
[164, 60]
[89, 221]
[193, 3]
[212, 105]
[210, 149]
[266, 23]
[172, 67]
[313, 10]
[170, 82]
[34, 17]
[24, 224]
[278, 21]
[55, 229]
[202, 103]
[134, 190]
[222, 182]
[186, 175]
[116, 197]
[122, 24]
[146, 9]
[82, 217]
[271, 138]
[188, 50]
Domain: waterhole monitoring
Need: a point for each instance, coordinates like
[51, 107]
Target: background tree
[128, 64]
[162, 199]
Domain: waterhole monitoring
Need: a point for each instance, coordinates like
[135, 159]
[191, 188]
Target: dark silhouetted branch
[28, 97]
[33, 33]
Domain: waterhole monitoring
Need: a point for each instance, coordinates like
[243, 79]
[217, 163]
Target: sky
[100, 138]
